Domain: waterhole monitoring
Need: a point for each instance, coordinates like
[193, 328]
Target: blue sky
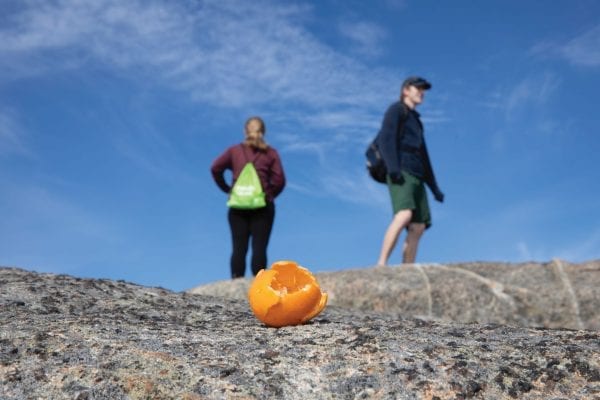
[112, 111]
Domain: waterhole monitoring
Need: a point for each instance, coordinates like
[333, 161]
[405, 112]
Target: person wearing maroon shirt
[257, 223]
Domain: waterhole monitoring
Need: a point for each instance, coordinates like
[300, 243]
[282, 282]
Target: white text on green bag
[247, 192]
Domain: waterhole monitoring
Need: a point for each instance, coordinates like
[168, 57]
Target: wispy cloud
[223, 52]
[536, 91]
[140, 142]
[530, 91]
[581, 50]
[524, 252]
[519, 230]
[298, 145]
[151, 157]
[366, 36]
[435, 116]
[354, 187]
[300, 188]
[522, 107]
[12, 135]
[228, 53]
[584, 49]
[574, 250]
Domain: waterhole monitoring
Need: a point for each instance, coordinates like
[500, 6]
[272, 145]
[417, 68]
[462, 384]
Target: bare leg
[399, 222]
[409, 251]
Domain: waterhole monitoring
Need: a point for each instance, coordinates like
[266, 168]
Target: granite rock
[552, 295]
[69, 338]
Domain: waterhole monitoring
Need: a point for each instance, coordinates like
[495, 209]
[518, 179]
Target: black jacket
[406, 150]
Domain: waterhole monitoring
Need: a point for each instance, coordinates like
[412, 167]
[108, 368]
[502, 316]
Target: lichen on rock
[551, 295]
[69, 338]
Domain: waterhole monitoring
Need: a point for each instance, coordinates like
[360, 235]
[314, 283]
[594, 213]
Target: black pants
[244, 225]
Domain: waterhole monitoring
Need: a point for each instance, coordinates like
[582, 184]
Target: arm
[277, 179]
[387, 140]
[222, 163]
[430, 177]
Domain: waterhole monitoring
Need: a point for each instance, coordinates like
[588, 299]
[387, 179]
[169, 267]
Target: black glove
[397, 178]
[438, 195]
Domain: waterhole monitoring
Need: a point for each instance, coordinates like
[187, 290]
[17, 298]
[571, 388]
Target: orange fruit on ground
[286, 294]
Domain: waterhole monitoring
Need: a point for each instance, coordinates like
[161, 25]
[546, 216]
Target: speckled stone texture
[552, 295]
[68, 338]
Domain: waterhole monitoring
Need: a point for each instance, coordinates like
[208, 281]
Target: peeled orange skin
[287, 294]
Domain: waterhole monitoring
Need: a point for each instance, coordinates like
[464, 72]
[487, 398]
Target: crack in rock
[427, 282]
[564, 278]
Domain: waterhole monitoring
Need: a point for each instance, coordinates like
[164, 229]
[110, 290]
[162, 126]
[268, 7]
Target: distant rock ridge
[556, 294]
[69, 338]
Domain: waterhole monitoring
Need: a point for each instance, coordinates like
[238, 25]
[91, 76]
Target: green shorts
[411, 195]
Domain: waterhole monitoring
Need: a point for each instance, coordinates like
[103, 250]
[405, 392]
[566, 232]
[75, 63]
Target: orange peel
[286, 294]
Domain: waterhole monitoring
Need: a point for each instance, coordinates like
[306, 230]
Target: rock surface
[68, 338]
[551, 295]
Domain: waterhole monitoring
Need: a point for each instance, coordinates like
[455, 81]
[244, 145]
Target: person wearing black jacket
[403, 149]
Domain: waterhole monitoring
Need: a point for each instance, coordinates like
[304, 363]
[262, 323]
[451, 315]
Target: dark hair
[256, 141]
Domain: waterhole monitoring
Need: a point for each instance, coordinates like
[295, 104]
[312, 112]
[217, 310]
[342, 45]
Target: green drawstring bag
[247, 192]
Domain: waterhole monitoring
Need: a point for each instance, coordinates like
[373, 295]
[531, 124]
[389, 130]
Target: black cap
[416, 81]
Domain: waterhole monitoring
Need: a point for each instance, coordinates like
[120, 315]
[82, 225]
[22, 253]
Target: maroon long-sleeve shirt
[267, 164]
